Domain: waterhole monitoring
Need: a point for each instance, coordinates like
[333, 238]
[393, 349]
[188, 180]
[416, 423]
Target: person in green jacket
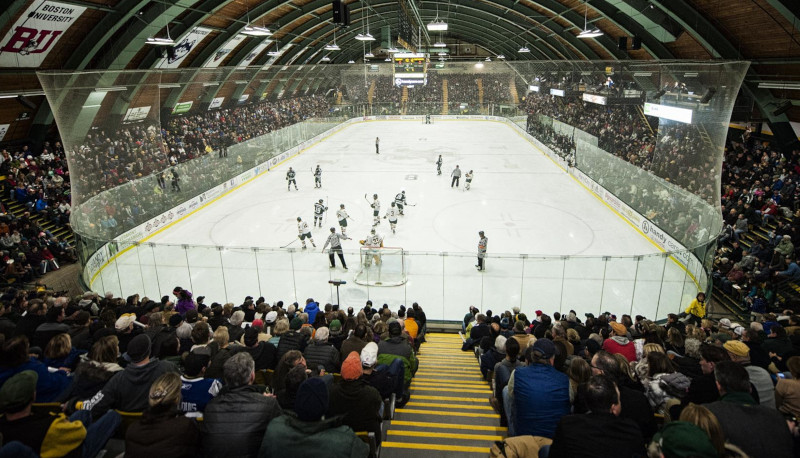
[304, 432]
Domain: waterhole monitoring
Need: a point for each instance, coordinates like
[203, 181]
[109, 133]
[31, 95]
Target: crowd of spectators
[625, 386]
[220, 379]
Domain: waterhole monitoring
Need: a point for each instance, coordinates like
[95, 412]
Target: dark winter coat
[168, 435]
[128, 390]
[358, 403]
[311, 439]
[292, 340]
[322, 354]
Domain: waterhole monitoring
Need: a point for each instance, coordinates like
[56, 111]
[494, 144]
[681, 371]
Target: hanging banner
[219, 56]
[216, 102]
[182, 107]
[183, 48]
[32, 37]
[3, 130]
[249, 58]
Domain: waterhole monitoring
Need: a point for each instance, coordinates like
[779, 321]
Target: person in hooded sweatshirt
[311, 309]
[129, 390]
[618, 342]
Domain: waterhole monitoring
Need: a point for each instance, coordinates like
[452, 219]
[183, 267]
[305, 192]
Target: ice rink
[578, 254]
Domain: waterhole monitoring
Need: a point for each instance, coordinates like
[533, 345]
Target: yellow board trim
[427, 424]
[438, 381]
[451, 406]
[446, 414]
[450, 448]
[448, 398]
[474, 437]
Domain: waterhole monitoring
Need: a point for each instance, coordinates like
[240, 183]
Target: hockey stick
[326, 209]
[410, 205]
[293, 240]
[365, 198]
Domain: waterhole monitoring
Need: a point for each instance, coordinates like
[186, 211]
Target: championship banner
[183, 48]
[216, 102]
[248, 59]
[32, 37]
[3, 130]
[219, 56]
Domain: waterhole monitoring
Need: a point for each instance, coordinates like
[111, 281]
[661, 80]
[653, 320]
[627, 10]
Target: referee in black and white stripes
[335, 241]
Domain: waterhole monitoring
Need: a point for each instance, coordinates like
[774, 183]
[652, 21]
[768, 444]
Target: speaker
[345, 15]
[623, 44]
[637, 43]
[26, 102]
[783, 107]
[337, 11]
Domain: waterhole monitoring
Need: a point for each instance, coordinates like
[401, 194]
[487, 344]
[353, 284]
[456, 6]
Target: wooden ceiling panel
[687, 47]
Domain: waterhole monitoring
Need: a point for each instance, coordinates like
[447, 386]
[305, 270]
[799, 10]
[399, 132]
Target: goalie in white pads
[319, 210]
[342, 216]
[304, 233]
[373, 240]
[400, 201]
[318, 178]
[376, 210]
[391, 215]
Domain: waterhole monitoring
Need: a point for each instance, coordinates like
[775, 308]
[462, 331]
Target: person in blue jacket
[15, 359]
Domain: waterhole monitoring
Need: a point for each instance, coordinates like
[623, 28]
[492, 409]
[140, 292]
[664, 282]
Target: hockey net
[385, 266]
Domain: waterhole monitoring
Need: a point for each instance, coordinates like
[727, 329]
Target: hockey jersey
[319, 209]
[391, 214]
[341, 215]
[302, 227]
[196, 393]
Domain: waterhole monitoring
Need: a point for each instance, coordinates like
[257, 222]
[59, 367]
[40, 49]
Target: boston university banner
[36, 32]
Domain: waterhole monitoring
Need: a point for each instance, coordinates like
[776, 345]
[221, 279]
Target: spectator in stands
[185, 302]
[355, 342]
[306, 433]
[287, 362]
[49, 434]
[288, 394]
[381, 380]
[235, 420]
[59, 353]
[537, 395]
[502, 373]
[758, 430]
[264, 353]
[681, 439]
[601, 432]
[128, 389]
[479, 330]
[163, 430]
[787, 391]
[16, 357]
[792, 271]
[197, 390]
[359, 403]
[397, 348]
[294, 339]
[739, 352]
[92, 374]
[321, 354]
[493, 356]
[618, 342]
[703, 388]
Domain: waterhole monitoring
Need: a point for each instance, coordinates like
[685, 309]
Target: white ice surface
[523, 201]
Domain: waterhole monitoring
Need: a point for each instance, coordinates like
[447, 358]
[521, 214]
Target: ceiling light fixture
[369, 55]
[351, 61]
[160, 41]
[326, 59]
[440, 44]
[501, 56]
[586, 32]
[524, 49]
[255, 31]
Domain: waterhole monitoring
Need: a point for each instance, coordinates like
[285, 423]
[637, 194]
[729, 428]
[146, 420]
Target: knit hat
[395, 329]
[175, 320]
[546, 347]
[721, 336]
[250, 336]
[538, 313]
[322, 334]
[271, 317]
[138, 348]
[681, 439]
[311, 401]
[17, 392]
[335, 327]
[618, 328]
[296, 323]
[125, 321]
[369, 355]
[258, 324]
[351, 367]
[725, 323]
[500, 344]
[737, 347]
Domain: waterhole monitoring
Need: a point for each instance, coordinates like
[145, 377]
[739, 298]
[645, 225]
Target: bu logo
[27, 41]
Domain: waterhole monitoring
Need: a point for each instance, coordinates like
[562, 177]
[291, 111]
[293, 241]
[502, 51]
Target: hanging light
[369, 55]
[488, 59]
[524, 49]
[332, 46]
[440, 44]
[365, 37]
[500, 56]
[256, 31]
[388, 59]
[351, 61]
[437, 26]
[160, 41]
[594, 32]
[325, 59]
[479, 65]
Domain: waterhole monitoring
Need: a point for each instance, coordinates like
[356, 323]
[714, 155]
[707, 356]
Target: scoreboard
[410, 69]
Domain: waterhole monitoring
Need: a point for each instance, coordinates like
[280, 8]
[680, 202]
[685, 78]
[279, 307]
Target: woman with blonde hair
[281, 327]
[579, 372]
[787, 392]
[59, 353]
[640, 368]
[708, 422]
[93, 374]
[163, 431]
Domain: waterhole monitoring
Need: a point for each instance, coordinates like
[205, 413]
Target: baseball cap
[369, 355]
[546, 347]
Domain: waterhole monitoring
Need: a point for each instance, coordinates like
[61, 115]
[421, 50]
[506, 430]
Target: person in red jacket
[618, 342]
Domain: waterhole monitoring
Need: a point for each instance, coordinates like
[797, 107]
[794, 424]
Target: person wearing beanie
[618, 342]
[321, 354]
[234, 422]
[294, 339]
[128, 390]
[396, 353]
[336, 337]
[354, 399]
[305, 434]
[264, 354]
[681, 439]
[739, 353]
[47, 434]
[757, 430]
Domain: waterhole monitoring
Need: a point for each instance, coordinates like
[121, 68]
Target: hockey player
[456, 177]
[304, 233]
[376, 210]
[318, 178]
[400, 201]
[374, 241]
[391, 215]
[439, 165]
[342, 216]
[377, 145]
[481, 250]
[335, 241]
[468, 177]
[290, 180]
[319, 209]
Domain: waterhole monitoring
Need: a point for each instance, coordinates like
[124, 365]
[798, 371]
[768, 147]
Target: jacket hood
[311, 427]
[142, 374]
[621, 340]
